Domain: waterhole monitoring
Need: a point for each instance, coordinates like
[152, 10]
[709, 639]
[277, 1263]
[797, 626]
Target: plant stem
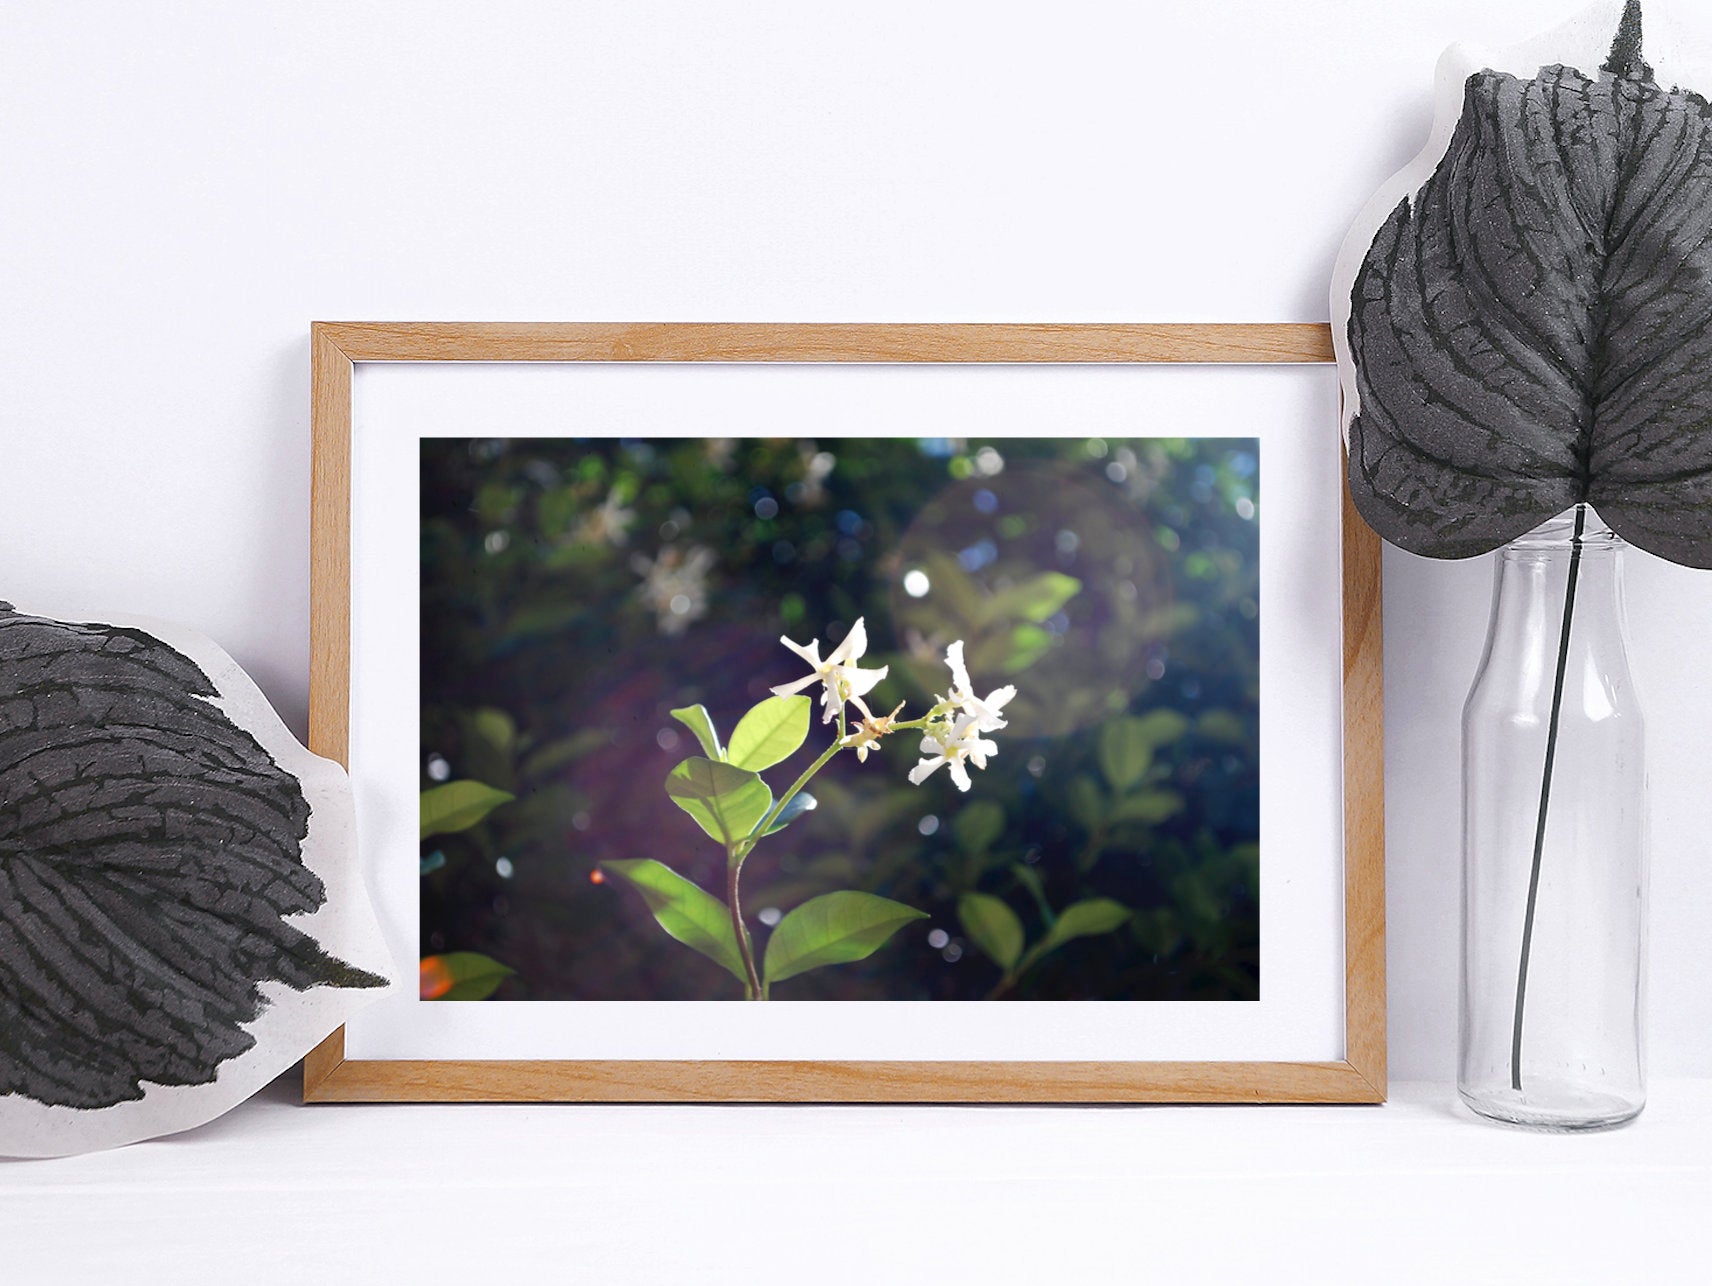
[735, 855]
[744, 945]
[999, 988]
[746, 846]
[1545, 797]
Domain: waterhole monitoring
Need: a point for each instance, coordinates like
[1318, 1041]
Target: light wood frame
[1360, 1077]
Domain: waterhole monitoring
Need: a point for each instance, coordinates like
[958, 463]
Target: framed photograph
[842, 713]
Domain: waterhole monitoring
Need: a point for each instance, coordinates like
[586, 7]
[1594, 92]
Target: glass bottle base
[1555, 1108]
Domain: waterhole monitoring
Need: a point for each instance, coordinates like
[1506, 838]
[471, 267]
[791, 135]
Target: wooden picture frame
[1359, 1077]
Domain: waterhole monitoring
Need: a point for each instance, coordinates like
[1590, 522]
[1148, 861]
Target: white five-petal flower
[958, 744]
[984, 712]
[843, 680]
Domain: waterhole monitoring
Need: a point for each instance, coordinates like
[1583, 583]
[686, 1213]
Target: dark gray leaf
[149, 852]
[1533, 328]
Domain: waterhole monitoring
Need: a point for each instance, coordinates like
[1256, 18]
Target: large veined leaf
[686, 911]
[1532, 326]
[834, 928]
[726, 801]
[150, 854]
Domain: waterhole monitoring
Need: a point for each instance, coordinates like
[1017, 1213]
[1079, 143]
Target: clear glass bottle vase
[1554, 842]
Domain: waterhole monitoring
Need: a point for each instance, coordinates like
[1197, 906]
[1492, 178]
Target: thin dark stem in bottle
[1545, 796]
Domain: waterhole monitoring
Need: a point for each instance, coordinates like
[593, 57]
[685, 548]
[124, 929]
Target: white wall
[184, 187]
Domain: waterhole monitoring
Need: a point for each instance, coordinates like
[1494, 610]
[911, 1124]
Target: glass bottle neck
[1531, 587]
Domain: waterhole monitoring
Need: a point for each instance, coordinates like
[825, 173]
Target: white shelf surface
[1416, 1190]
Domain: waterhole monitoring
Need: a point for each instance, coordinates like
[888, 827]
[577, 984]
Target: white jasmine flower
[956, 743]
[609, 523]
[843, 680]
[984, 712]
[674, 585]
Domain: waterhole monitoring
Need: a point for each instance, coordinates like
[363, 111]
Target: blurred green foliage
[577, 593]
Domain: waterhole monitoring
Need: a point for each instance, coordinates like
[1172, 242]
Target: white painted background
[184, 187]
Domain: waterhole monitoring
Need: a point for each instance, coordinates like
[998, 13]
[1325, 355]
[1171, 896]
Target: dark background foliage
[573, 592]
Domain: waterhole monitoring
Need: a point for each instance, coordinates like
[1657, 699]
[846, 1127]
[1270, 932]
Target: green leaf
[978, 826]
[685, 911]
[556, 510]
[1126, 752]
[559, 754]
[699, 721]
[1087, 804]
[834, 928]
[470, 975]
[1149, 807]
[1078, 920]
[1222, 726]
[497, 728]
[771, 732]
[1036, 599]
[800, 803]
[992, 926]
[725, 801]
[433, 862]
[1028, 643]
[1030, 879]
[1161, 727]
[1087, 919]
[458, 805]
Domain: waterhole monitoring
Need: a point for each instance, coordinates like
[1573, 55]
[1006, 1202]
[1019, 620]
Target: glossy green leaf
[800, 803]
[1126, 752]
[470, 975]
[458, 805]
[770, 733]
[978, 825]
[1149, 807]
[834, 928]
[699, 721]
[684, 910]
[992, 926]
[726, 801]
[1087, 919]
